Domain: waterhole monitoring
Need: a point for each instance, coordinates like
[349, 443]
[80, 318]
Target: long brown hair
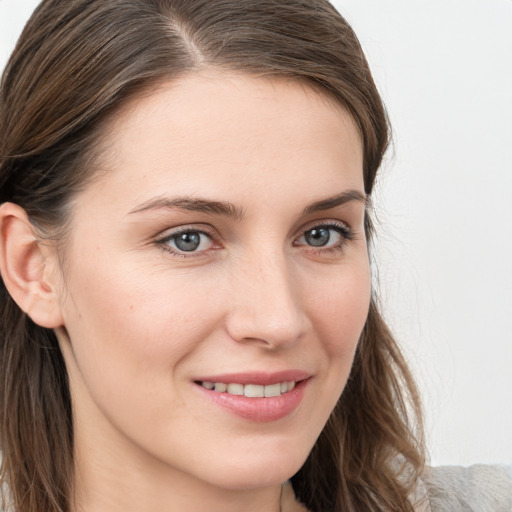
[76, 63]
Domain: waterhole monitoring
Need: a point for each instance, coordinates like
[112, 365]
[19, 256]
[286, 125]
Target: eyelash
[342, 229]
[163, 242]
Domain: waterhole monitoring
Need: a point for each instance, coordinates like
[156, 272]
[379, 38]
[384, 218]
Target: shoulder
[478, 488]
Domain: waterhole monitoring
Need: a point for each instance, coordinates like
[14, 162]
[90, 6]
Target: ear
[28, 267]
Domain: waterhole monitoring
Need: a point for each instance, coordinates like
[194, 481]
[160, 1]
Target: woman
[187, 314]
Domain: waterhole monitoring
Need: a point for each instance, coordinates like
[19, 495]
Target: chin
[250, 477]
[251, 471]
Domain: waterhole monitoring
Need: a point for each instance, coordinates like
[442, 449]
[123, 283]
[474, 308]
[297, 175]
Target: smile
[250, 390]
[255, 396]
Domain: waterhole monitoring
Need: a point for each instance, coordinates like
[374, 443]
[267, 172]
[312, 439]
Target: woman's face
[223, 245]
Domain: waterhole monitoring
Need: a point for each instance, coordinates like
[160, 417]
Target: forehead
[229, 130]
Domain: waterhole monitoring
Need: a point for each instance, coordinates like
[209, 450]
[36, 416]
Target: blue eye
[317, 237]
[330, 236]
[188, 241]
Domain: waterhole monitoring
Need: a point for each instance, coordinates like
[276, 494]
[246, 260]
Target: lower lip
[258, 409]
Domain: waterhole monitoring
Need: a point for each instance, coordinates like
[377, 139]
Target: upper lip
[256, 377]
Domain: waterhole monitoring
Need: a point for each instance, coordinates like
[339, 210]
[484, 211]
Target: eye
[187, 241]
[318, 237]
[326, 236]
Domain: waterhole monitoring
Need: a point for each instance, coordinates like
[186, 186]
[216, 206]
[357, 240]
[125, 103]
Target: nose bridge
[266, 305]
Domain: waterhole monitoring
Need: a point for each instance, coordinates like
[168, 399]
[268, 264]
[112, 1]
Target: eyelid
[200, 228]
[163, 237]
[344, 230]
[326, 223]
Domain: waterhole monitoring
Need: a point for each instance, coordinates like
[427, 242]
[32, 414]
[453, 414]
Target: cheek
[118, 299]
[339, 310]
[139, 322]
[339, 316]
[131, 333]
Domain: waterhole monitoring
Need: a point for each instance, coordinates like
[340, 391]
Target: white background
[444, 203]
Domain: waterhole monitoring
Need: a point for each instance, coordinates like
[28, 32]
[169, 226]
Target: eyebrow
[337, 200]
[193, 204]
[197, 204]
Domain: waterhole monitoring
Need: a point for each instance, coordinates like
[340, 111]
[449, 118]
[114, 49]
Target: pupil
[317, 237]
[188, 241]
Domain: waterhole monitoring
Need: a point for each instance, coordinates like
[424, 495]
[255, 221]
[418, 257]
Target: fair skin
[268, 282]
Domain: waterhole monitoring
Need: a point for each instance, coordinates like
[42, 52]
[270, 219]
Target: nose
[266, 306]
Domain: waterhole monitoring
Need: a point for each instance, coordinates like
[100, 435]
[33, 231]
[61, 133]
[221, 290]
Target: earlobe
[25, 268]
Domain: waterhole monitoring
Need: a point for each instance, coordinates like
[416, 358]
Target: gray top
[478, 488]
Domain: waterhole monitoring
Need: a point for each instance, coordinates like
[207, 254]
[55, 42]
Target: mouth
[250, 390]
[258, 397]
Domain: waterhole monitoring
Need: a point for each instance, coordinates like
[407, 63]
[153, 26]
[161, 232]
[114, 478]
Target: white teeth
[235, 389]
[254, 391]
[250, 390]
[273, 390]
